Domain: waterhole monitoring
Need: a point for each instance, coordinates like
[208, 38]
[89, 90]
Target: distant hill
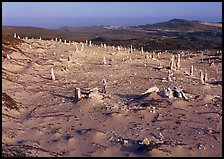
[173, 34]
[181, 25]
[89, 29]
[34, 32]
[219, 24]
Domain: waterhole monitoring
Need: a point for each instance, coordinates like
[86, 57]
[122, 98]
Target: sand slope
[48, 122]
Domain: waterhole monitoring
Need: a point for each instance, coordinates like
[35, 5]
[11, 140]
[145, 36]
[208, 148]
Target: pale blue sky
[205, 11]
[111, 9]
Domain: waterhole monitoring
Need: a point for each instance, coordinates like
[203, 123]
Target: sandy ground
[49, 122]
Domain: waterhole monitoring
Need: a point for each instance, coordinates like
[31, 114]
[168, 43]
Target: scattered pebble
[146, 141]
[125, 142]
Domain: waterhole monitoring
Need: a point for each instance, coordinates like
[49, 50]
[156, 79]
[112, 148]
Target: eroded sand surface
[50, 123]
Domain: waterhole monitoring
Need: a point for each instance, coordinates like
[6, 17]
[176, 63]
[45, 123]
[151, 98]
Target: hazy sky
[205, 11]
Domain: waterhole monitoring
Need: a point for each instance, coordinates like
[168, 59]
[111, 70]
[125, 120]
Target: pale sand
[50, 123]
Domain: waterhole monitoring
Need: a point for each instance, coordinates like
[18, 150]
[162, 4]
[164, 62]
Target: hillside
[34, 32]
[181, 25]
[174, 34]
[9, 44]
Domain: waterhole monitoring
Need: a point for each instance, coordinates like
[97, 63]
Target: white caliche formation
[169, 76]
[104, 60]
[65, 42]
[18, 37]
[160, 66]
[179, 93]
[118, 48]
[82, 46]
[172, 93]
[166, 92]
[192, 70]
[76, 48]
[201, 77]
[131, 49]
[178, 61]
[7, 56]
[26, 38]
[56, 39]
[86, 43]
[14, 35]
[152, 89]
[52, 74]
[77, 94]
[172, 65]
[142, 51]
[105, 46]
[60, 40]
[205, 76]
[40, 38]
[104, 86]
[212, 63]
[182, 53]
[147, 56]
[90, 43]
[202, 57]
[158, 55]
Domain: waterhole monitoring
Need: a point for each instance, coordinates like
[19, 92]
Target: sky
[58, 14]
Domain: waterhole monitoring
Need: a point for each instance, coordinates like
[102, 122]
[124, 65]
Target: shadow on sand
[133, 96]
[141, 150]
[67, 98]
[216, 83]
